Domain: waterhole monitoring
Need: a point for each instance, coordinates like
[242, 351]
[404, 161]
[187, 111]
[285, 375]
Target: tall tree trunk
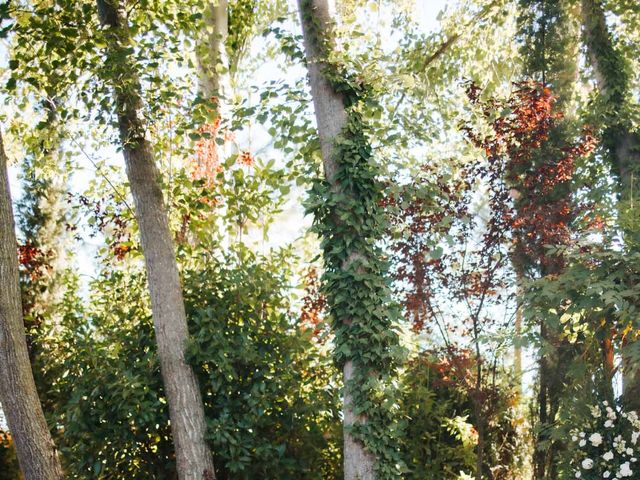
[621, 142]
[331, 117]
[36, 451]
[186, 411]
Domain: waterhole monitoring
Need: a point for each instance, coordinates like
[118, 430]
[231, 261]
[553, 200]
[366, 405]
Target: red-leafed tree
[460, 248]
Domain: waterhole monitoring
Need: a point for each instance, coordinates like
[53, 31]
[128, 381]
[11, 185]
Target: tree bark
[331, 116]
[37, 454]
[213, 60]
[186, 411]
[621, 142]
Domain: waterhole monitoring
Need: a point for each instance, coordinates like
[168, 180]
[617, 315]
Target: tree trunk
[186, 411]
[37, 454]
[212, 56]
[621, 142]
[331, 117]
[517, 349]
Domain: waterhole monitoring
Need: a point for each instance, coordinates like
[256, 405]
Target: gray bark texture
[331, 117]
[620, 140]
[36, 451]
[186, 410]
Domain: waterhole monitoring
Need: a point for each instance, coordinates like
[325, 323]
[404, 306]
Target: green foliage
[269, 391]
[9, 469]
[439, 442]
[441, 438]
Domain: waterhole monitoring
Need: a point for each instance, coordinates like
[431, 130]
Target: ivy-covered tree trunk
[186, 411]
[622, 144]
[347, 217]
[37, 454]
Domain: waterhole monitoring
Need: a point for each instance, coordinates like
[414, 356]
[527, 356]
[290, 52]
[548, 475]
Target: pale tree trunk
[37, 454]
[212, 58]
[622, 143]
[331, 118]
[186, 410]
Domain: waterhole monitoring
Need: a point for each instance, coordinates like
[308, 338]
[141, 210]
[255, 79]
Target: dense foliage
[473, 253]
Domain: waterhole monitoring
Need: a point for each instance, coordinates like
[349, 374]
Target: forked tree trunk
[37, 454]
[621, 141]
[186, 411]
[331, 117]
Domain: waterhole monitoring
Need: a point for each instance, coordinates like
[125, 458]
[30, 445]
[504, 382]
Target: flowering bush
[606, 447]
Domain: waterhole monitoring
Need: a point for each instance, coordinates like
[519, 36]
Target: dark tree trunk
[37, 454]
[186, 411]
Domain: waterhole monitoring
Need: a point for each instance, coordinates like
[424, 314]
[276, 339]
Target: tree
[348, 217]
[620, 141]
[37, 453]
[186, 411]
[550, 47]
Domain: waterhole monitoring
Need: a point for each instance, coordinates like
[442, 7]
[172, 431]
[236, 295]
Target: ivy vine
[350, 220]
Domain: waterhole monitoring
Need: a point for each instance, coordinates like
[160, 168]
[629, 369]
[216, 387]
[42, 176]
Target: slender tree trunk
[331, 116]
[212, 56]
[622, 143]
[517, 349]
[186, 410]
[37, 454]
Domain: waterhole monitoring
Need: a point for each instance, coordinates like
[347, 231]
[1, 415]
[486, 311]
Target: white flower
[605, 403]
[581, 434]
[595, 439]
[583, 442]
[606, 474]
[629, 451]
[625, 470]
[608, 456]
[634, 437]
[587, 464]
[575, 439]
[595, 412]
[608, 424]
